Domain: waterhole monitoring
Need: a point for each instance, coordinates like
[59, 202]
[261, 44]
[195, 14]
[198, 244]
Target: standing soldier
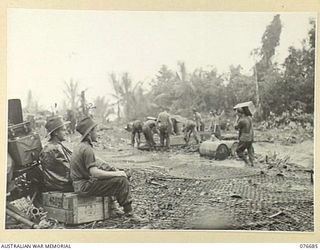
[198, 120]
[165, 127]
[148, 129]
[215, 126]
[189, 127]
[244, 125]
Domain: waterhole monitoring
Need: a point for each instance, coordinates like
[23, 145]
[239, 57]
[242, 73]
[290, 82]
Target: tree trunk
[83, 104]
[118, 111]
[258, 114]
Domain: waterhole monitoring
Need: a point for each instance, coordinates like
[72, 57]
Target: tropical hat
[53, 123]
[85, 126]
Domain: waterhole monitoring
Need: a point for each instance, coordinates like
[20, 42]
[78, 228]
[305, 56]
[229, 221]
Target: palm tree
[254, 54]
[174, 89]
[102, 109]
[185, 91]
[118, 93]
[126, 95]
[72, 93]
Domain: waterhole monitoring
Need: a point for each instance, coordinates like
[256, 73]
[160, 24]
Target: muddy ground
[178, 189]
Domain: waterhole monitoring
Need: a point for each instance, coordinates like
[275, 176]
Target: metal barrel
[218, 149]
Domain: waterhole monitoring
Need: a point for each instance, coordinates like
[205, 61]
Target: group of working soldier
[82, 172]
[165, 125]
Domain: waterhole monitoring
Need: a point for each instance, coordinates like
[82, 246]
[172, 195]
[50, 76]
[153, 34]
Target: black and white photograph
[160, 120]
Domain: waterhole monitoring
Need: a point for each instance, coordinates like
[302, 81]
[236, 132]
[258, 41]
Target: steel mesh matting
[259, 202]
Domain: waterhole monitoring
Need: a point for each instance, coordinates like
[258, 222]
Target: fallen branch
[157, 184]
[164, 178]
[276, 214]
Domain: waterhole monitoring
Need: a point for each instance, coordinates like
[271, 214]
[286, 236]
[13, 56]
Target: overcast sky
[48, 47]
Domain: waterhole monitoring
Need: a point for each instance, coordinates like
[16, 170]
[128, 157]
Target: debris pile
[287, 121]
[23, 211]
[275, 164]
[286, 127]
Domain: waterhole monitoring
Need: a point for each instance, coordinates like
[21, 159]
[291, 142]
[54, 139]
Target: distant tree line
[272, 87]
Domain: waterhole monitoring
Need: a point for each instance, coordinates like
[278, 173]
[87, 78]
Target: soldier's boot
[128, 212]
[114, 210]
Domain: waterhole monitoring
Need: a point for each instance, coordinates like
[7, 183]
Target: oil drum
[218, 149]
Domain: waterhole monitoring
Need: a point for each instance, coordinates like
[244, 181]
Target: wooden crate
[70, 208]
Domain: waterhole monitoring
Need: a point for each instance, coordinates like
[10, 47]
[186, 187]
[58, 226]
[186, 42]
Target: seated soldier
[90, 180]
[55, 157]
[55, 160]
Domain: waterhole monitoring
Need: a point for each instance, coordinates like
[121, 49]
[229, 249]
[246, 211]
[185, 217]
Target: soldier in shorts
[165, 127]
[244, 126]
